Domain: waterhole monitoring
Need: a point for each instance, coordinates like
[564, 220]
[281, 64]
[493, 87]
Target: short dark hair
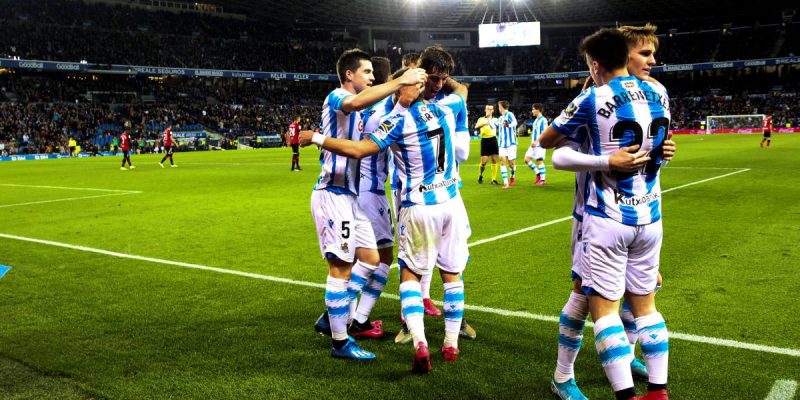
[350, 60]
[608, 47]
[503, 103]
[538, 106]
[436, 59]
[381, 68]
[410, 58]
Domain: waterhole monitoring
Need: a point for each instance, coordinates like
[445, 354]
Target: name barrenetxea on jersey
[620, 198]
[438, 185]
[628, 96]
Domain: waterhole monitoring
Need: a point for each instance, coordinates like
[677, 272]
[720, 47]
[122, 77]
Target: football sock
[453, 312]
[483, 167]
[654, 337]
[337, 301]
[413, 310]
[372, 292]
[542, 171]
[614, 351]
[514, 171]
[359, 275]
[532, 166]
[425, 282]
[504, 174]
[570, 335]
[494, 172]
[629, 322]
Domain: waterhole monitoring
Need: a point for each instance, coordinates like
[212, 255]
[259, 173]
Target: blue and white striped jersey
[622, 113]
[339, 174]
[421, 141]
[375, 168]
[539, 125]
[507, 130]
[456, 104]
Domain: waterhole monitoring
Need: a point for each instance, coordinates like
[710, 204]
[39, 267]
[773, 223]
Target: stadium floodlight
[751, 123]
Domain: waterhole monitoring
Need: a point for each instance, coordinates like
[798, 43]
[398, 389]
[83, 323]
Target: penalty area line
[783, 389]
[490, 310]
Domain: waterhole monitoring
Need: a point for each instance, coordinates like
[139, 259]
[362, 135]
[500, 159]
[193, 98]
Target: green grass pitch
[77, 324]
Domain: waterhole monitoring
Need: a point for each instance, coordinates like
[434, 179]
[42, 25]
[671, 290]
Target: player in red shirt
[168, 142]
[125, 145]
[767, 130]
[294, 140]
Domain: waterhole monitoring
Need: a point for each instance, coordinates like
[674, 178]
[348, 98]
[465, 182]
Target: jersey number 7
[439, 144]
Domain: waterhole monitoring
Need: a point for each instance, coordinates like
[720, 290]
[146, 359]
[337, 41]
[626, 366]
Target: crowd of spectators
[106, 34]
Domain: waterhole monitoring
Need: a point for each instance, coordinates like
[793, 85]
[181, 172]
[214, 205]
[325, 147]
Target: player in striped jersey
[621, 235]
[443, 90]
[642, 45]
[507, 140]
[345, 234]
[433, 224]
[534, 157]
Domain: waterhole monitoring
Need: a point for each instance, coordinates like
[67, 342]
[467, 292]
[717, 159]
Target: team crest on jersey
[629, 85]
[571, 109]
[423, 109]
[345, 247]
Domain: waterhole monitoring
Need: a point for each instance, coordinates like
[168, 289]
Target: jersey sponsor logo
[620, 199]
[387, 126]
[437, 185]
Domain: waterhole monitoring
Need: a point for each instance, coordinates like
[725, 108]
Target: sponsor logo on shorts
[437, 185]
[381, 210]
[635, 201]
[402, 229]
[330, 223]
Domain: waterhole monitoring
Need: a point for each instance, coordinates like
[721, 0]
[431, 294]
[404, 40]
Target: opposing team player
[345, 234]
[534, 156]
[507, 140]
[433, 224]
[168, 142]
[125, 144]
[294, 140]
[621, 234]
[488, 131]
[767, 131]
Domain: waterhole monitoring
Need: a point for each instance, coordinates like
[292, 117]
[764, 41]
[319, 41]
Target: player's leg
[452, 259]
[512, 163]
[604, 257]
[641, 281]
[484, 160]
[529, 161]
[541, 171]
[333, 216]
[570, 327]
[417, 251]
[124, 158]
[376, 215]
[495, 168]
[503, 168]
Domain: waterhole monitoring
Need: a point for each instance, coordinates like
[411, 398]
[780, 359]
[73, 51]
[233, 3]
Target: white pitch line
[73, 188]
[555, 221]
[782, 390]
[65, 199]
[490, 310]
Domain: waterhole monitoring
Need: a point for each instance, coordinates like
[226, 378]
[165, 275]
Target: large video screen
[509, 34]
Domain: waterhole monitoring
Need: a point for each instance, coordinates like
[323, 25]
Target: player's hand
[628, 159]
[413, 76]
[305, 138]
[669, 148]
[589, 83]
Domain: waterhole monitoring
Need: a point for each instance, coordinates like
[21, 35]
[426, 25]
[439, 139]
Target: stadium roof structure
[470, 13]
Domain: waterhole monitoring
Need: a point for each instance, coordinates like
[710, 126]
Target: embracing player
[619, 244]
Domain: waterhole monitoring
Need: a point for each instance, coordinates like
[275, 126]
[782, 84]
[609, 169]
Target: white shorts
[536, 153]
[435, 235]
[509, 152]
[341, 225]
[617, 257]
[575, 245]
[376, 208]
